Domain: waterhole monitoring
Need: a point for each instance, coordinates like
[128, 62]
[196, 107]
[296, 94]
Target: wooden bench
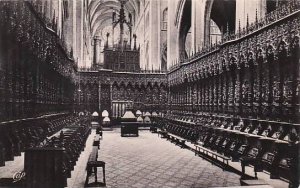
[162, 133]
[215, 155]
[92, 166]
[252, 182]
[153, 129]
[99, 131]
[96, 141]
[177, 140]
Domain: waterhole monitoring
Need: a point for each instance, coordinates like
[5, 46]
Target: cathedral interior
[149, 93]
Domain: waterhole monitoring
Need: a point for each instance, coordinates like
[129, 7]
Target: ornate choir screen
[36, 71]
[143, 91]
[105, 98]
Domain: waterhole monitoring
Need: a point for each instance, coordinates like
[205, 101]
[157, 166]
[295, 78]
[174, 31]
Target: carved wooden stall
[36, 80]
[246, 94]
[47, 174]
[36, 69]
[50, 164]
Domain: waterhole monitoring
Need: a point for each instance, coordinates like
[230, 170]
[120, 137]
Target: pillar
[154, 42]
[197, 24]
[96, 59]
[173, 32]
[99, 95]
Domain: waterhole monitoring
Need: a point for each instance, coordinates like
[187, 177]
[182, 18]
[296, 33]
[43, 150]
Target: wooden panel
[43, 168]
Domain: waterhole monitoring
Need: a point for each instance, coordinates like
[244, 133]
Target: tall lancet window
[215, 33]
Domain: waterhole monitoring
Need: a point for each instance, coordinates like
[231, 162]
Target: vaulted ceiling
[100, 14]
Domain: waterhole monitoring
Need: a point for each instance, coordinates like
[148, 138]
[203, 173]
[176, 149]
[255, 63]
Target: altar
[129, 124]
[129, 129]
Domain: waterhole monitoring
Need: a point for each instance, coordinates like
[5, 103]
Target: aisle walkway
[149, 161]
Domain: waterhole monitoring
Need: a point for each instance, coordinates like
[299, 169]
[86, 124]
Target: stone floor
[149, 161]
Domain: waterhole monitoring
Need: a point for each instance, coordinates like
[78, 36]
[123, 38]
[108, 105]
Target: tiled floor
[149, 161]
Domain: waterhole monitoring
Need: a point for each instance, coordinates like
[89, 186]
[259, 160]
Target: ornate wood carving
[254, 74]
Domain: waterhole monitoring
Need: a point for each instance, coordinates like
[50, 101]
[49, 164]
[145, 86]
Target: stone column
[197, 24]
[97, 44]
[74, 19]
[173, 32]
[110, 108]
[154, 43]
[99, 95]
[78, 30]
